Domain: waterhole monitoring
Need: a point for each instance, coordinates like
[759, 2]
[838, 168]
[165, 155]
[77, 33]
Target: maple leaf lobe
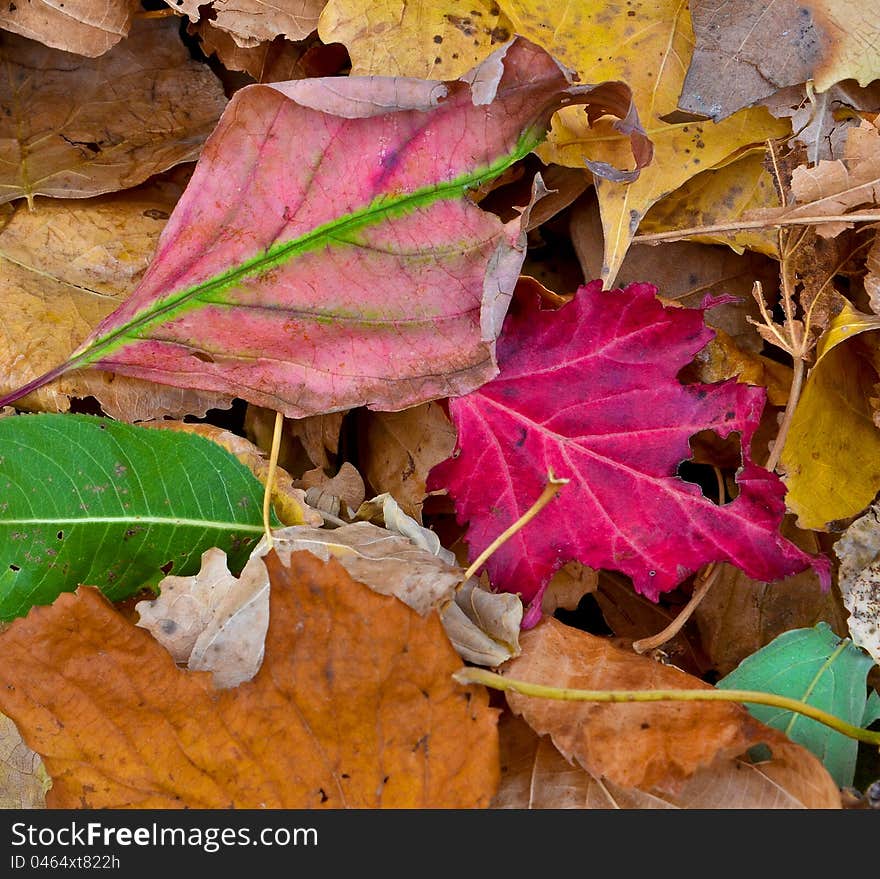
[590, 391]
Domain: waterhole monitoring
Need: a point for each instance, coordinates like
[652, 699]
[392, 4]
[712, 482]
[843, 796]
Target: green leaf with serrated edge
[87, 500]
[818, 668]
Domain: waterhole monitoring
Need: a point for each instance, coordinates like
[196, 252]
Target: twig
[270, 477]
[794, 395]
[472, 675]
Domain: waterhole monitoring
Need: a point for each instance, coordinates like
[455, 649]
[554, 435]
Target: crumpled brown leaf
[534, 775]
[251, 22]
[85, 27]
[647, 745]
[76, 126]
[63, 268]
[367, 718]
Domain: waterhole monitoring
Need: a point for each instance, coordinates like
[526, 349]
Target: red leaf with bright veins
[591, 392]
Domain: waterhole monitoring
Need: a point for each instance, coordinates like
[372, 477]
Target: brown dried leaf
[534, 775]
[63, 268]
[398, 450]
[85, 27]
[77, 126]
[251, 22]
[638, 744]
[340, 495]
[318, 727]
[568, 586]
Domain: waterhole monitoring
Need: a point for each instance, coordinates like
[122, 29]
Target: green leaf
[90, 500]
[818, 668]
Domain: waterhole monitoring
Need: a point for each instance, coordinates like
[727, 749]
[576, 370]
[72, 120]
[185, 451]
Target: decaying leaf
[579, 394]
[213, 621]
[23, 778]
[84, 27]
[368, 718]
[339, 495]
[568, 586]
[646, 745]
[534, 775]
[858, 550]
[76, 125]
[400, 448]
[63, 269]
[251, 22]
[305, 288]
[747, 49]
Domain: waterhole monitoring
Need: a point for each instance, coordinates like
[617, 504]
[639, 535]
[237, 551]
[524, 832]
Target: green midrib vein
[138, 520]
[381, 208]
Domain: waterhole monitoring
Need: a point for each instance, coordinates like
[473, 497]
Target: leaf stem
[550, 491]
[472, 675]
[270, 477]
[797, 381]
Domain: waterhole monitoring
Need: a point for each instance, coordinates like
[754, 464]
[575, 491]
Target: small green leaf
[818, 668]
[87, 500]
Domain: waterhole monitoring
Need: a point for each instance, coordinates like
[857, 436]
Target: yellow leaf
[848, 323]
[427, 40]
[720, 196]
[832, 455]
[681, 151]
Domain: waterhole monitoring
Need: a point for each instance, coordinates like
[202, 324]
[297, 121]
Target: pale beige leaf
[383, 510]
[77, 127]
[568, 586]
[339, 495]
[534, 775]
[251, 22]
[23, 778]
[84, 27]
[65, 267]
[213, 621]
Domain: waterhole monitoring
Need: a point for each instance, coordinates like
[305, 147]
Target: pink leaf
[326, 254]
[590, 392]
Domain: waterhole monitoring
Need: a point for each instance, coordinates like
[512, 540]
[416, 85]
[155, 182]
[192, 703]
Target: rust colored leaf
[319, 726]
[76, 126]
[534, 775]
[646, 745]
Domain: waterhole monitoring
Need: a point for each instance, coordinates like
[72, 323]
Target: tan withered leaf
[251, 22]
[85, 27]
[320, 726]
[640, 744]
[399, 449]
[65, 267]
[77, 126]
[534, 775]
[23, 778]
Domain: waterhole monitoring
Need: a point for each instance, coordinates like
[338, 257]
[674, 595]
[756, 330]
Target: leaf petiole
[471, 675]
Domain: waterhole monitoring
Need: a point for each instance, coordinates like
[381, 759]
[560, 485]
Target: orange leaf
[645, 745]
[353, 707]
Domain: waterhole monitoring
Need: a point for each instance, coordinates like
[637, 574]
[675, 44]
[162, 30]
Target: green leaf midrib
[223, 525]
[383, 207]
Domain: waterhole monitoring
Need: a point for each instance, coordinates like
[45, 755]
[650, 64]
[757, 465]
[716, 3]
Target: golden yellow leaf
[832, 454]
[681, 150]
[367, 718]
[718, 196]
[847, 323]
[65, 267]
[429, 40]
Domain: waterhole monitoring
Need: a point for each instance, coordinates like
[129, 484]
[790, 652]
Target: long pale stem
[471, 675]
[270, 477]
[797, 381]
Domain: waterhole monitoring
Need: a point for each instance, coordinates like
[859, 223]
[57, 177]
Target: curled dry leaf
[648, 745]
[318, 727]
[796, 41]
[400, 448]
[77, 125]
[339, 495]
[63, 269]
[534, 775]
[23, 778]
[84, 27]
[251, 22]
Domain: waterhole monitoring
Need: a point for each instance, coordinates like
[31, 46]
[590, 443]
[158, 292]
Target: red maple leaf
[590, 392]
